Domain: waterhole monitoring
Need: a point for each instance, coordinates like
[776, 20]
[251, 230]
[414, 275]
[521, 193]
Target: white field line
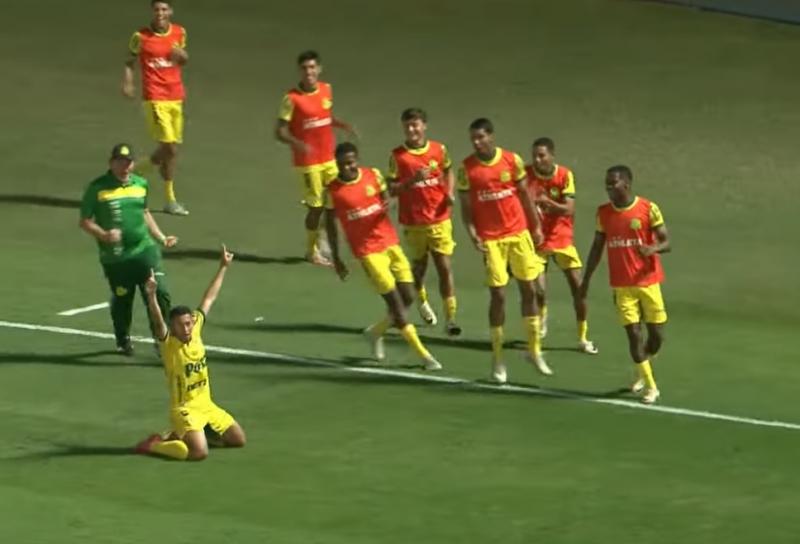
[76, 311]
[452, 380]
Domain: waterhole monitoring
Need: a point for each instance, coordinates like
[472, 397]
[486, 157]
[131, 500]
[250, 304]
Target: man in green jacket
[114, 211]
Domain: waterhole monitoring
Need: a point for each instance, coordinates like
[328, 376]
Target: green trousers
[124, 278]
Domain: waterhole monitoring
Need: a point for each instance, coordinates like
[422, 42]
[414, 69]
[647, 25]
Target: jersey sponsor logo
[489, 196]
[360, 213]
[505, 176]
[160, 62]
[194, 368]
[427, 182]
[316, 123]
[327, 103]
[196, 385]
[636, 223]
[616, 243]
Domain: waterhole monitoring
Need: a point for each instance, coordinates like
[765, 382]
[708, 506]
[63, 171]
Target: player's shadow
[75, 450]
[108, 358]
[180, 254]
[41, 200]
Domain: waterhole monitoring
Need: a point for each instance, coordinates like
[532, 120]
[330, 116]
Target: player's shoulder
[605, 208]
[325, 86]
[564, 172]
[136, 179]
[178, 28]
[511, 156]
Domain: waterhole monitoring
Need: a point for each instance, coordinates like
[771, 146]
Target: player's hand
[341, 269]
[422, 174]
[151, 284]
[128, 89]
[647, 251]
[450, 200]
[170, 241]
[544, 202]
[479, 245]
[226, 258]
[537, 236]
[301, 147]
[178, 55]
[112, 236]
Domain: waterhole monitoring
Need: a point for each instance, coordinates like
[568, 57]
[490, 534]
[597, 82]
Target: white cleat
[499, 374]
[540, 364]
[587, 346]
[427, 314]
[650, 396]
[431, 364]
[375, 344]
[638, 386]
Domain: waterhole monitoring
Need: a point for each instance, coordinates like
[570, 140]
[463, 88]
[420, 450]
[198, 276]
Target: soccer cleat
[318, 259]
[175, 208]
[427, 314]
[638, 386]
[587, 346]
[125, 348]
[499, 374]
[432, 364]
[144, 446]
[452, 329]
[375, 344]
[540, 364]
[650, 396]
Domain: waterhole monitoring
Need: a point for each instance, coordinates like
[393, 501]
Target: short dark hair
[411, 114]
[622, 171]
[344, 148]
[544, 141]
[178, 311]
[167, 2]
[307, 55]
[482, 123]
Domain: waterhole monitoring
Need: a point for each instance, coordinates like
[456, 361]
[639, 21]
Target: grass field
[702, 106]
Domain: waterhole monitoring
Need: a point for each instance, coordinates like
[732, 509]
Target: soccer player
[633, 231]
[358, 199]
[192, 411]
[553, 189]
[114, 212]
[161, 51]
[421, 176]
[306, 123]
[498, 212]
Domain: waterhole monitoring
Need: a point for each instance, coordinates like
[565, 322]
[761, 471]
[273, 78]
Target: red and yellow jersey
[557, 229]
[492, 186]
[310, 118]
[161, 77]
[362, 212]
[626, 230]
[422, 202]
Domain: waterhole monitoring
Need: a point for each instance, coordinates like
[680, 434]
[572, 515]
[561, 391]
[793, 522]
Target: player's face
[618, 189]
[181, 327]
[415, 132]
[482, 141]
[122, 168]
[309, 73]
[542, 159]
[348, 166]
[162, 13]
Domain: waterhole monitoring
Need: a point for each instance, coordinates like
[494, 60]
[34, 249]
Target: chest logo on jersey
[433, 164]
[636, 223]
[370, 190]
[505, 176]
[194, 368]
[554, 192]
[327, 103]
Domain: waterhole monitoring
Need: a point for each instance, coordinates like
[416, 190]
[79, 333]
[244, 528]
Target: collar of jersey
[418, 150]
[352, 181]
[315, 91]
[626, 208]
[494, 160]
[540, 176]
[162, 34]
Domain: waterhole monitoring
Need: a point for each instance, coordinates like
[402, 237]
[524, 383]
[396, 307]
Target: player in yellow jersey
[192, 412]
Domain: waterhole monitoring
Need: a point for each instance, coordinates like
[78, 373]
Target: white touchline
[452, 380]
[76, 311]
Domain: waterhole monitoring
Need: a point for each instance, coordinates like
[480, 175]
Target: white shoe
[432, 364]
[638, 386]
[540, 364]
[375, 344]
[499, 374]
[543, 329]
[587, 346]
[650, 396]
[427, 314]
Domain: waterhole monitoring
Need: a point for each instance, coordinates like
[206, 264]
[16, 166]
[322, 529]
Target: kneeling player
[358, 199]
[191, 409]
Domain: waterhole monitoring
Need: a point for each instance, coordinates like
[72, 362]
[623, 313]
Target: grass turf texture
[687, 99]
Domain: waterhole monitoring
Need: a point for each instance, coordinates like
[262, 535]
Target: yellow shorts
[386, 268]
[566, 258]
[516, 251]
[424, 238]
[165, 120]
[196, 417]
[313, 180]
[633, 302]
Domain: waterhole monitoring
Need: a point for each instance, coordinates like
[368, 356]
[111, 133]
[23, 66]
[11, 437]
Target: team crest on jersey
[636, 224]
[505, 176]
[434, 164]
[370, 190]
[327, 103]
[120, 291]
[554, 192]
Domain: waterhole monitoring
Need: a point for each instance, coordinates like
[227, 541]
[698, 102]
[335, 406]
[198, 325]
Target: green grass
[702, 106]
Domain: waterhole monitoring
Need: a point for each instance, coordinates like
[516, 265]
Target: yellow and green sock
[379, 329]
[169, 189]
[496, 334]
[312, 239]
[451, 306]
[410, 335]
[583, 331]
[533, 330]
[646, 373]
[422, 295]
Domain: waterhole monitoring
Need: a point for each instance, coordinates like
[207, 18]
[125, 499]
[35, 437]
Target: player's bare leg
[198, 445]
[233, 437]
[312, 224]
[397, 301]
[447, 290]
[497, 318]
[419, 267]
[531, 319]
[645, 382]
[167, 154]
[573, 276]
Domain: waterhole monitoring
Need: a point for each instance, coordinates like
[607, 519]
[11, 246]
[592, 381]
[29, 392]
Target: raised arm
[216, 283]
[150, 288]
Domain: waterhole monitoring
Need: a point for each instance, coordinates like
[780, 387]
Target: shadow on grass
[76, 359]
[180, 254]
[41, 200]
[60, 451]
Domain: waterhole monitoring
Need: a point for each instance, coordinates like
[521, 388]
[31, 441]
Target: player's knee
[197, 454]
[236, 439]
[170, 150]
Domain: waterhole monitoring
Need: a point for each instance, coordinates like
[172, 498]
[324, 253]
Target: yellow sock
[422, 295]
[544, 312]
[380, 328]
[409, 332]
[532, 328]
[646, 373]
[583, 331]
[451, 305]
[312, 237]
[169, 188]
[496, 334]
[174, 449]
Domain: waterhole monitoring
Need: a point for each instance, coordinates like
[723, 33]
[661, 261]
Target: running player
[633, 231]
[421, 177]
[500, 218]
[358, 199]
[161, 52]
[192, 412]
[306, 123]
[553, 188]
